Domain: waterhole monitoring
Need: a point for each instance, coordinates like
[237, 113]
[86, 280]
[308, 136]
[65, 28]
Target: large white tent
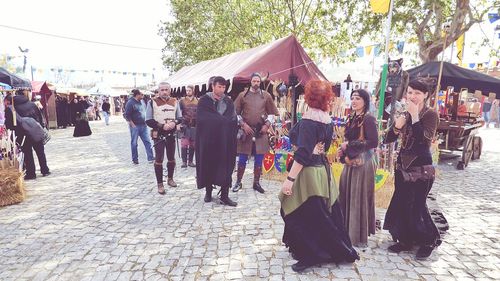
[103, 89]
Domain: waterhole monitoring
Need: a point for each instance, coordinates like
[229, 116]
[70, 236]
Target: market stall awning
[13, 80]
[4, 86]
[103, 89]
[40, 87]
[67, 91]
[458, 77]
[278, 58]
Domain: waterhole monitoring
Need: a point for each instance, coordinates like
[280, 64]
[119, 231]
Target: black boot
[224, 198]
[208, 194]
[184, 152]
[159, 172]
[239, 175]
[191, 157]
[424, 252]
[399, 247]
[257, 171]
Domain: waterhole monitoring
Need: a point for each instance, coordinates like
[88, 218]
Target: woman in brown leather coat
[407, 218]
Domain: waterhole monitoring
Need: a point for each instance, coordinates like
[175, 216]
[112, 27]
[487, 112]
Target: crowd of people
[324, 220]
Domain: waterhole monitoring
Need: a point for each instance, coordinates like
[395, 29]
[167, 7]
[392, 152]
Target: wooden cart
[460, 135]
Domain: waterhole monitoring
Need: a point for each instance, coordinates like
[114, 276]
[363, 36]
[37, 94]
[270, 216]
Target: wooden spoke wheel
[477, 147]
[467, 152]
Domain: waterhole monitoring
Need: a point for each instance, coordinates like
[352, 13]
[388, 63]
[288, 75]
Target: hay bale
[11, 187]
[384, 194]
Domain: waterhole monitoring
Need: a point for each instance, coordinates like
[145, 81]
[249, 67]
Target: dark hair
[420, 85]
[365, 96]
[136, 92]
[219, 80]
[255, 74]
[8, 98]
[318, 94]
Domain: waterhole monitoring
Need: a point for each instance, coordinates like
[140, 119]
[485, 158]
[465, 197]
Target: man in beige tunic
[256, 110]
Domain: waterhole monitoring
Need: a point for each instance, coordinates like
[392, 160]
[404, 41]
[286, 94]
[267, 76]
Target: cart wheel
[460, 165]
[467, 150]
[477, 148]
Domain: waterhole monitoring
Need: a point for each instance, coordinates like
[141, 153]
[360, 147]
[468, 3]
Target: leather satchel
[413, 174]
[358, 147]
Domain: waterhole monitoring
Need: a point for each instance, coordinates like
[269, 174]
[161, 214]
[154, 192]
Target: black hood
[18, 100]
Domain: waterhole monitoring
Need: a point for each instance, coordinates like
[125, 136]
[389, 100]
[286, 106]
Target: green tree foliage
[422, 22]
[207, 29]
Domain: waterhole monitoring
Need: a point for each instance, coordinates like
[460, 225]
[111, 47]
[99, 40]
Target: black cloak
[215, 142]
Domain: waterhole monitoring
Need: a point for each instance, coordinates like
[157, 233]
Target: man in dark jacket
[105, 110]
[26, 108]
[135, 114]
[215, 141]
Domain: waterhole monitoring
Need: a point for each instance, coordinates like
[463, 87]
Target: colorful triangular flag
[400, 46]
[368, 50]
[360, 51]
[380, 6]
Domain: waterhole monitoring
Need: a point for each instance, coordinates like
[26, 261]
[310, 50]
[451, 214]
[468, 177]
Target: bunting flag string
[115, 72]
[7, 58]
[361, 51]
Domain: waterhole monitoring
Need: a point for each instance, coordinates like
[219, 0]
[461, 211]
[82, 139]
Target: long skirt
[82, 127]
[314, 231]
[408, 218]
[357, 200]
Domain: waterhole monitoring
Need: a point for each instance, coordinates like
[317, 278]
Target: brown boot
[161, 189]
[257, 171]
[171, 182]
[239, 176]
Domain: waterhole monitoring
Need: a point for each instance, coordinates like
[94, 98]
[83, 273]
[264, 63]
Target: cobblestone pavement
[98, 217]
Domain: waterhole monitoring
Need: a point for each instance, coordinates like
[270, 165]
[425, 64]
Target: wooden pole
[438, 87]
[383, 79]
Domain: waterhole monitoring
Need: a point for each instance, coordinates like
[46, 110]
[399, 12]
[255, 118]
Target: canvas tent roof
[278, 58]
[106, 90]
[40, 87]
[67, 91]
[13, 80]
[5, 86]
[458, 77]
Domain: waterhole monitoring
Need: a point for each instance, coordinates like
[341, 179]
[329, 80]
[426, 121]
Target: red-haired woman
[314, 230]
[357, 181]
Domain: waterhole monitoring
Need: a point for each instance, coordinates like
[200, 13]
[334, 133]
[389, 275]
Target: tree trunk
[431, 44]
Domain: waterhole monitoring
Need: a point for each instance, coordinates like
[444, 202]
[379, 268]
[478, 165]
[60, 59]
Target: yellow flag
[380, 6]
[368, 50]
[460, 49]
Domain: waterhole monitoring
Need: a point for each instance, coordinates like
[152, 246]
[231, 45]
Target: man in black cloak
[61, 112]
[215, 141]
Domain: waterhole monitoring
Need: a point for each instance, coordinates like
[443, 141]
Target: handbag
[360, 159]
[46, 136]
[413, 174]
